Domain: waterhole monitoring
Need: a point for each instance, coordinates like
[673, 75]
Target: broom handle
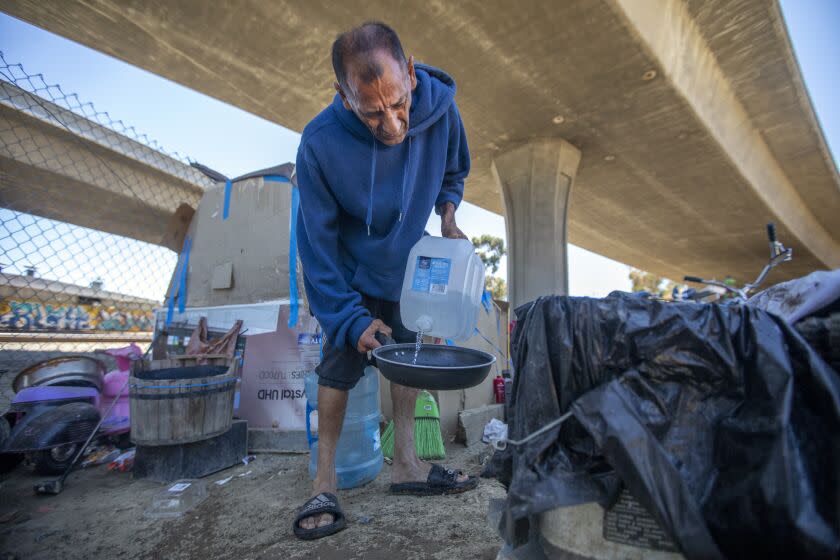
[95, 429]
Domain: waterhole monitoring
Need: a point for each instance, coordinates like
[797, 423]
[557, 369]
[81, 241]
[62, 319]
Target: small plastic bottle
[499, 389]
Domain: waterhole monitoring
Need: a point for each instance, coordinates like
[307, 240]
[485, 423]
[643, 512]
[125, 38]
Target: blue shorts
[342, 367]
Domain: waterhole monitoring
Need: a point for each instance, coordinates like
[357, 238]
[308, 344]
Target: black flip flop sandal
[440, 481]
[322, 503]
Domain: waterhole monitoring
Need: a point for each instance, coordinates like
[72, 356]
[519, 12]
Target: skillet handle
[384, 339]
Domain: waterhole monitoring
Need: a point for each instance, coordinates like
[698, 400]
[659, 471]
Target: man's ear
[411, 75]
[343, 96]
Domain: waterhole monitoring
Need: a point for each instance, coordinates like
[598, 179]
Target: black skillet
[438, 367]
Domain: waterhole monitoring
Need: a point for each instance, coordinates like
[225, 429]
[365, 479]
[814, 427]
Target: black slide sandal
[440, 481]
[322, 503]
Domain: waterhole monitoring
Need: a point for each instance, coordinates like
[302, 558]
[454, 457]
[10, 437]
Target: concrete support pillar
[536, 180]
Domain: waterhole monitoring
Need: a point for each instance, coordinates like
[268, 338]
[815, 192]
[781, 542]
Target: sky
[236, 142]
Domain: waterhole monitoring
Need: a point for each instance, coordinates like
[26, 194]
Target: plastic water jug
[441, 293]
[358, 456]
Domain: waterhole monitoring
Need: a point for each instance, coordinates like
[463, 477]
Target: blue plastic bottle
[358, 457]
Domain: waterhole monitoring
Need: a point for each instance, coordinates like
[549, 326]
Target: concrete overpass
[60, 165]
[679, 127]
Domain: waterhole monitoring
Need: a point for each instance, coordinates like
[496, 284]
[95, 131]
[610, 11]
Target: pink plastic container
[116, 380]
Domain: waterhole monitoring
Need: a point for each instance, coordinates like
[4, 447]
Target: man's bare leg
[332, 404]
[407, 466]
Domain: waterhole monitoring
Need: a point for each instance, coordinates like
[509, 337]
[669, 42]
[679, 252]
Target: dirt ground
[100, 514]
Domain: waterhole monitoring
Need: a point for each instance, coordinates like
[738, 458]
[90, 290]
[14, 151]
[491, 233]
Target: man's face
[382, 102]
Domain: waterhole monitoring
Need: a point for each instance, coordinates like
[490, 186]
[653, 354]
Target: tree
[490, 250]
[496, 285]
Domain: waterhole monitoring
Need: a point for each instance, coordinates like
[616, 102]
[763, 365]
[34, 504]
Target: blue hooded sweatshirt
[363, 204]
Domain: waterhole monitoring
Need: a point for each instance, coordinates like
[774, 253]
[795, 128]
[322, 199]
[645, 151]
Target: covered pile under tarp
[720, 420]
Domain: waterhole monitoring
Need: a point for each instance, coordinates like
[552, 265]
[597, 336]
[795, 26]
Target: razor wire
[85, 202]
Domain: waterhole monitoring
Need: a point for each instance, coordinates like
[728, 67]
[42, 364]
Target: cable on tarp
[501, 444]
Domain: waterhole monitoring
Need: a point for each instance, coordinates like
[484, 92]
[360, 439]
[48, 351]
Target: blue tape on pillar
[170, 309]
[276, 178]
[226, 207]
[293, 286]
[170, 300]
[294, 300]
[487, 300]
[182, 289]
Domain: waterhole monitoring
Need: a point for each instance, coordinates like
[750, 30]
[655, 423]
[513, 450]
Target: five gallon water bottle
[358, 456]
[441, 293]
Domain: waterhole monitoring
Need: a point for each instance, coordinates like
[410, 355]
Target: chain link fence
[85, 203]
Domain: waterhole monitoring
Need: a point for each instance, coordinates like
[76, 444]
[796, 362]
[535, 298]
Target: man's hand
[448, 227]
[367, 341]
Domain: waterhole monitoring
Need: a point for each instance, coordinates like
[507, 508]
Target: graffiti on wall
[35, 316]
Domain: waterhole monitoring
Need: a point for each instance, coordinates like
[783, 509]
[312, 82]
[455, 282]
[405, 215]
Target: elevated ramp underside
[694, 125]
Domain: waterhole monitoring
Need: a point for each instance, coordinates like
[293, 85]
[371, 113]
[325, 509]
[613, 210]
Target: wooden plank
[198, 415]
[165, 411]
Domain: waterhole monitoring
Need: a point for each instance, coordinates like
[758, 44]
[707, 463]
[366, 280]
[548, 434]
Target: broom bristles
[387, 441]
[428, 441]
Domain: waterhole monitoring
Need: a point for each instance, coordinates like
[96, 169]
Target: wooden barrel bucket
[178, 401]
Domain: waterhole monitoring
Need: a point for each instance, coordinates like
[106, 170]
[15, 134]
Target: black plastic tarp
[719, 419]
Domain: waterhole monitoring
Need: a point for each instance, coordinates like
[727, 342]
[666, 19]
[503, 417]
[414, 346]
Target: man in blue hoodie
[371, 167]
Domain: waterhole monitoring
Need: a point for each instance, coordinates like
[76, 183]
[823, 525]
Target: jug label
[431, 275]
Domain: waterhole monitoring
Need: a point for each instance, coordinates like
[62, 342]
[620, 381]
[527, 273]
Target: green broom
[428, 441]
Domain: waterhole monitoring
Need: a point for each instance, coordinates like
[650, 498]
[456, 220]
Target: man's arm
[457, 169]
[448, 227]
[336, 305]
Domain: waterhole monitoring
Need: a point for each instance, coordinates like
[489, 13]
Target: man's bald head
[357, 48]
[375, 80]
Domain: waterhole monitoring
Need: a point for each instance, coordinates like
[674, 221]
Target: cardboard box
[245, 258]
[275, 363]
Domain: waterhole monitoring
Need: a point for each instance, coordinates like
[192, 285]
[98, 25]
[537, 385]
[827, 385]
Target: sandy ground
[100, 514]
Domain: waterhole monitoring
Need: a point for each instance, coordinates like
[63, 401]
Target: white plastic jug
[441, 293]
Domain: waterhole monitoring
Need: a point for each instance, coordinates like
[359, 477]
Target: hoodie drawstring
[406, 172]
[369, 217]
